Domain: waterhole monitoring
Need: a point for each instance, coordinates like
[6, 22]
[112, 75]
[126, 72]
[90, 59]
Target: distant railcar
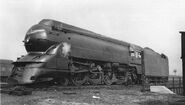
[5, 68]
[63, 53]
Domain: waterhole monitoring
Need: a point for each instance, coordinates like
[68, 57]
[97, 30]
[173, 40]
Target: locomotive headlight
[27, 39]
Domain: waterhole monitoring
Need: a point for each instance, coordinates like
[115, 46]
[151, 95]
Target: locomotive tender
[66, 54]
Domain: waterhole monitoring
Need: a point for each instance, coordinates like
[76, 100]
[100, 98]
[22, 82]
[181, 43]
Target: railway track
[60, 88]
[27, 90]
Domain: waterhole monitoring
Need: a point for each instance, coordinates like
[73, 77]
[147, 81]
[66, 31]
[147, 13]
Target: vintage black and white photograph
[92, 52]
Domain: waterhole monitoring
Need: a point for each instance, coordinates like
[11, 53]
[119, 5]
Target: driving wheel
[108, 78]
[79, 78]
[95, 78]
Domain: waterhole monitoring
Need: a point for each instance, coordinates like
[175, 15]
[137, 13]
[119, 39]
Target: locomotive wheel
[128, 79]
[62, 81]
[95, 78]
[79, 78]
[128, 82]
[108, 78]
[134, 75]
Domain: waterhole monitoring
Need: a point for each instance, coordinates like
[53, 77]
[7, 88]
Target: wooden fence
[175, 84]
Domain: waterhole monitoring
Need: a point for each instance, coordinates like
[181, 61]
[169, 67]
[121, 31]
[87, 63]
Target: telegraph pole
[183, 58]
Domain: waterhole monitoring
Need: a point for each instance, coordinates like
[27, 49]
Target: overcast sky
[148, 23]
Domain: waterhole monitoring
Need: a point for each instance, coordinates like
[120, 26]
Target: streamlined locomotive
[66, 54]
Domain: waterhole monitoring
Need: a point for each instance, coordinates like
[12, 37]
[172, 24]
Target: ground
[127, 96]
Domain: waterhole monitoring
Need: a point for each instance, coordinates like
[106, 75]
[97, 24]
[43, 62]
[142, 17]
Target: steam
[66, 49]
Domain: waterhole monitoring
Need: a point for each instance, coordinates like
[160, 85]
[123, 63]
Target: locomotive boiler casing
[96, 49]
[84, 44]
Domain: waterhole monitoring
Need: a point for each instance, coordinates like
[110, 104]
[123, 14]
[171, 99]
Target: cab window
[132, 54]
[138, 54]
[135, 54]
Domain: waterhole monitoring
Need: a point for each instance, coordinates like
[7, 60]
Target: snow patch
[161, 89]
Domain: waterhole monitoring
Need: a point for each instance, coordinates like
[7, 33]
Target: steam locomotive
[68, 55]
